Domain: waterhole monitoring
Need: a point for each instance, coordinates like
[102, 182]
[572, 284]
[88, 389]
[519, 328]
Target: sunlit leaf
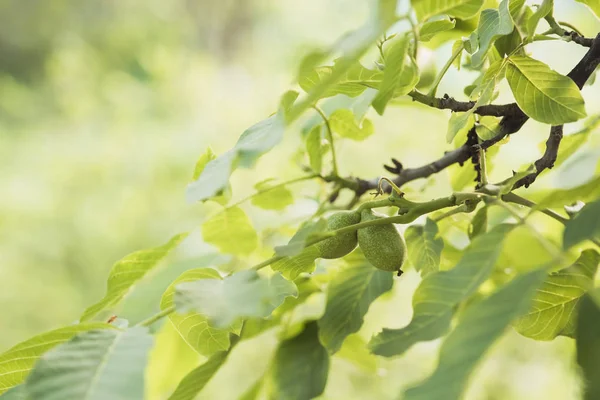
[492, 25]
[462, 9]
[349, 296]
[352, 83]
[544, 9]
[432, 28]
[300, 367]
[193, 383]
[243, 294]
[204, 159]
[95, 365]
[487, 127]
[193, 327]
[315, 149]
[544, 94]
[555, 304]
[424, 246]
[584, 226]
[129, 270]
[291, 267]
[231, 231]
[272, 197]
[439, 293]
[355, 350]
[480, 326]
[343, 123]
[594, 5]
[213, 178]
[394, 65]
[587, 340]
[17, 362]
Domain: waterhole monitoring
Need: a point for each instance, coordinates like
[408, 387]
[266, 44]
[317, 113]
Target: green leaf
[195, 328]
[355, 350]
[555, 304]
[272, 197]
[204, 159]
[459, 123]
[231, 232]
[458, 47]
[95, 365]
[300, 366]
[561, 197]
[439, 293]
[479, 223]
[16, 393]
[128, 271]
[352, 83]
[259, 139]
[394, 66]
[292, 267]
[593, 5]
[315, 149]
[309, 230]
[194, 382]
[544, 94]
[480, 326]
[544, 9]
[253, 391]
[16, 362]
[349, 296]
[585, 225]
[424, 246]
[241, 295]
[492, 25]
[343, 123]
[463, 9]
[432, 28]
[213, 179]
[587, 341]
[487, 127]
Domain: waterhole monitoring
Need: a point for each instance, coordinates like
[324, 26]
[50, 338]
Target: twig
[547, 160]
[330, 138]
[448, 103]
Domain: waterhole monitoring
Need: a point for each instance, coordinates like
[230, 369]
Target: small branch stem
[156, 317]
[330, 138]
[265, 190]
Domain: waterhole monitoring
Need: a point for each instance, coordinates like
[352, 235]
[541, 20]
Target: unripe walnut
[340, 245]
[382, 245]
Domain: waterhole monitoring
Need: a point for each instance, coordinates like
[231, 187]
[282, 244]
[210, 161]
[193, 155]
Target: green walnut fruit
[382, 245]
[340, 245]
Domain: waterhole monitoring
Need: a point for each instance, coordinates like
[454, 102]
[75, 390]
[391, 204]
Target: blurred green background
[105, 107]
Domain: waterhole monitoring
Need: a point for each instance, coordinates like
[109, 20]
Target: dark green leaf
[480, 326]
[349, 296]
[424, 247]
[241, 295]
[231, 231]
[194, 382]
[555, 304]
[126, 272]
[438, 294]
[300, 367]
[584, 226]
[95, 365]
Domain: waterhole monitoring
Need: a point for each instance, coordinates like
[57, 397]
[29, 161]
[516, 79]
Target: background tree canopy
[199, 149]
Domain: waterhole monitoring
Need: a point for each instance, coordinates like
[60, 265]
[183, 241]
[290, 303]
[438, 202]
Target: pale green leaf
[457, 48]
[573, 142]
[555, 304]
[432, 28]
[128, 271]
[309, 230]
[352, 83]
[394, 66]
[544, 94]
[479, 223]
[492, 25]
[463, 9]
[291, 267]
[315, 149]
[584, 226]
[487, 127]
[193, 383]
[242, 295]
[16, 393]
[231, 232]
[543, 9]
[587, 341]
[558, 198]
[204, 159]
[253, 391]
[195, 328]
[594, 5]
[480, 326]
[213, 179]
[300, 366]
[355, 350]
[344, 124]
[459, 123]
[424, 246]
[17, 362]
[95, 365]
[272, 197]
[259, 139]
[349, 296]
[439, 293]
